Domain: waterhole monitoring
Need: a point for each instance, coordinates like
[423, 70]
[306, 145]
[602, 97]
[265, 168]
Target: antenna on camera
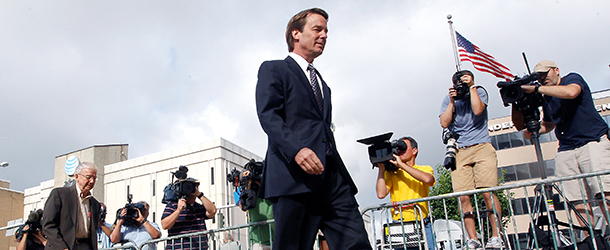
[527, 65]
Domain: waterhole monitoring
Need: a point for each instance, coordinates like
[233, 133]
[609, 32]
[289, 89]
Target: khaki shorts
[476, 167]
[593, 156]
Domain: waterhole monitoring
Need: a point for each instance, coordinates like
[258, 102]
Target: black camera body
[33, 223]
[382, 150]
[450, 139]
[181, 188]
[462, 90]
[526, 103]
[247, 185]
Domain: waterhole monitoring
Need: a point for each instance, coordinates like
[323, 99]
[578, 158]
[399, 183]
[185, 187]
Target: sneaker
[495, 242]
[474, 244]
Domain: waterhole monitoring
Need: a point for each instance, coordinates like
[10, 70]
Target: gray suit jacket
[59, 219]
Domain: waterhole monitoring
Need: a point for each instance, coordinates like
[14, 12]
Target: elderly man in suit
[71, 214]
[304, 176]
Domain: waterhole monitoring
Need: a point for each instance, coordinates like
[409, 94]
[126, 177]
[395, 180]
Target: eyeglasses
[89, 177]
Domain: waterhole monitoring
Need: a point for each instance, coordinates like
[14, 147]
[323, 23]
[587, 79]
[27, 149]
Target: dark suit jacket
[59, 218]
[289, 114]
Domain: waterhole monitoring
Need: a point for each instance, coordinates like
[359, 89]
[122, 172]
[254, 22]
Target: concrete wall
[11, 208]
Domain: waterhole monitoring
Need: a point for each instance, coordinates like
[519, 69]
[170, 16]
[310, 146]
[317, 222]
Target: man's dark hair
[297, 22]
[411, 141]
[456, 77]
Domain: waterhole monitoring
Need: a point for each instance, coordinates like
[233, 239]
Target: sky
[159, 75]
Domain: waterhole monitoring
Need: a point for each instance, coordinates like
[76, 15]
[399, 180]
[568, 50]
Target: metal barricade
[449, 234]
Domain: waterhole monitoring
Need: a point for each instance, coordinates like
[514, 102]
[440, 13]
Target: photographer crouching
[30, 236]
[183, 214]
[464, 112]
[133, 226]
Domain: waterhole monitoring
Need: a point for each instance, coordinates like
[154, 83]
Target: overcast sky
[158, 75]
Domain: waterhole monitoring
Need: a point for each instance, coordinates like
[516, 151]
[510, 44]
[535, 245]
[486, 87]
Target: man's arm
[169, 221]
[382, 189]
[115, 236]
[447, 116]
[152, 231]
[210, 208]
[422, 176]
[477, 105]
[23, 243]
[569, 91]
[107, 231]
[51, 220]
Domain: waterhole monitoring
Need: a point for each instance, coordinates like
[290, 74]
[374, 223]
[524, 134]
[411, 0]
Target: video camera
[247, 185]
[526, 103]
[132, 209]
[382, 150]
[181, 188]
[33, 223]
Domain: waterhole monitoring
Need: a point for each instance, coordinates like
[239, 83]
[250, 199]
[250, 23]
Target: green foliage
[443, 186]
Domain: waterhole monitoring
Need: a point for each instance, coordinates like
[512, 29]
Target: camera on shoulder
[382, 150]
[247, 183]
[180, 188]
[33, 223]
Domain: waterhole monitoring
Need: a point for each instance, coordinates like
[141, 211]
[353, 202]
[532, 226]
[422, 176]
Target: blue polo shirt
[577, 121]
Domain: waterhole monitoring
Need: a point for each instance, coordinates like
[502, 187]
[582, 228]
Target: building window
[154, 188]
[212, 175]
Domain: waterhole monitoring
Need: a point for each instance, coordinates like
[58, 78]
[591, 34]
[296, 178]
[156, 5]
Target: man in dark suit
[304, 176]
[71, 214]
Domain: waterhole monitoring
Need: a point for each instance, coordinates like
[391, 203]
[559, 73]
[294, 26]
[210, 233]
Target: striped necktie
[315, 86]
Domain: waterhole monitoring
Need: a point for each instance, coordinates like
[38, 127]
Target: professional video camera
[450, 139]
[526, 103]
[180, 188]
[33, 223]
[247, 185]
[382, 150]
[132, 209]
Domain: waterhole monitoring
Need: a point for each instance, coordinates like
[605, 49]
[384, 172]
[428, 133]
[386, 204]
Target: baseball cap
[545, 66]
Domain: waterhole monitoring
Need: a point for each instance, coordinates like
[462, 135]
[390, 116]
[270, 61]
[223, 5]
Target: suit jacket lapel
[73, 201]
[294, 66]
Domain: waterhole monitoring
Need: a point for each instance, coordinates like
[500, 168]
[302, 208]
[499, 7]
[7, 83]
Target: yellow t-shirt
[403, 187]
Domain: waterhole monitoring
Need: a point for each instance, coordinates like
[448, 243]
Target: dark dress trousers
[303, 203]
[59, 219]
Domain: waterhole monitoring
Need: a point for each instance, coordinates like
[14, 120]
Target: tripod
[546, 191]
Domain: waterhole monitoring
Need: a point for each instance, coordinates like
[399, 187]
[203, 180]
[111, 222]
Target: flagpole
[454, 43]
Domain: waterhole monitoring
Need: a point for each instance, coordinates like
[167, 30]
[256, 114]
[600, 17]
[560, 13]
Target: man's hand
[397, 162]
[309, 161]
[123, 213]
[452, 94]
[181, 204]
[140, 218]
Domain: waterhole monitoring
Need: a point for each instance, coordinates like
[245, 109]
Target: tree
[443, 186]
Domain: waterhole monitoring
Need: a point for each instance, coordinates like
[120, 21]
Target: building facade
[10, 209]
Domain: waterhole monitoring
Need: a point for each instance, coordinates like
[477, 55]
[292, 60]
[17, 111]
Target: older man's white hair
[84, 165]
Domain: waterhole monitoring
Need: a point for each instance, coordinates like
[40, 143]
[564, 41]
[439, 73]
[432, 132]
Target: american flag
[482, 61]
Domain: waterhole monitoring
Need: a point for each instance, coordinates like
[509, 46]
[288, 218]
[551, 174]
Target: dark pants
[333, 209]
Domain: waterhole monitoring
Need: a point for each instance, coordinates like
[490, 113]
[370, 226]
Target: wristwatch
[200, 195]
[536, 88]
